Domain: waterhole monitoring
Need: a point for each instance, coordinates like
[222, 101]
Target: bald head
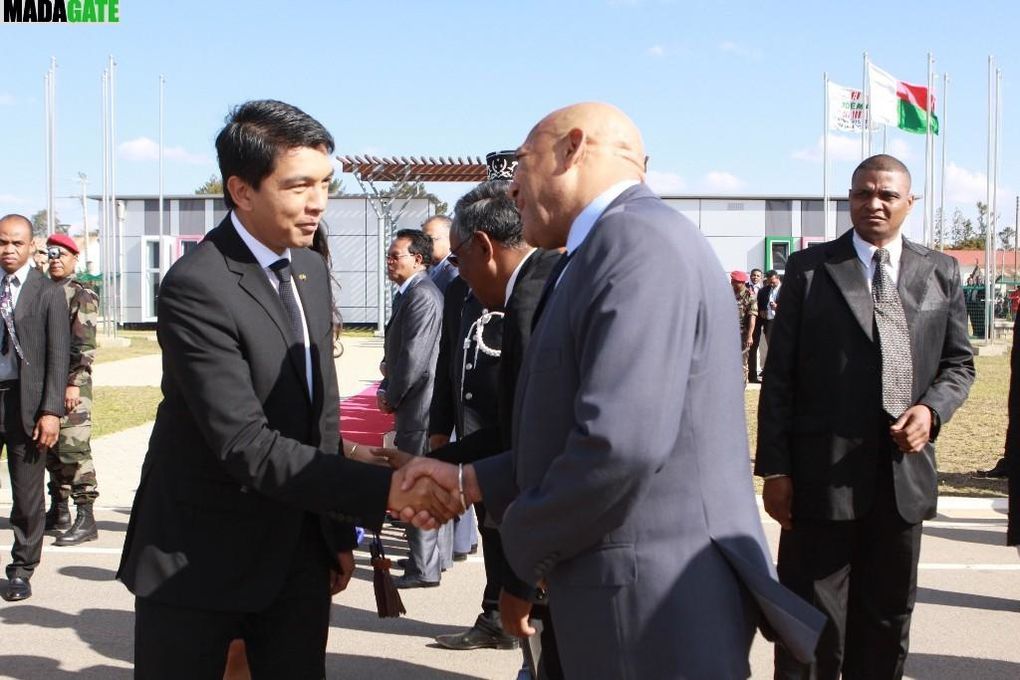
[568, 159]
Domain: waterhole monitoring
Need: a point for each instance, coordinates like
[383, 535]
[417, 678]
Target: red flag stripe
[914, 94]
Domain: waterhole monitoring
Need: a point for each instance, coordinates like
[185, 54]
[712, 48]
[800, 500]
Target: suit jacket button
[467, 396]
[468, 367]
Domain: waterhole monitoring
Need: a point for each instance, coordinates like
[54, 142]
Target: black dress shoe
[998, 471]
[17, 589]
[459, 557]
[487, 633]
[406, 581]
[403, 563]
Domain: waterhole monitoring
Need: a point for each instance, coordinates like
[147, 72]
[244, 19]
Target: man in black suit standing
[868, 357]
[34, 356]
[243, 522]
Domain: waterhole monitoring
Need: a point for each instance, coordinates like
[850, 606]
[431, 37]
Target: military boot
[58, 517]
[83, 529]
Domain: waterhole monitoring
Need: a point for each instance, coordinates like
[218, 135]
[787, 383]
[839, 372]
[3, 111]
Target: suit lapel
[254, 281]
[845, 269]
[915, 271]
[27, 296]
[313, 306]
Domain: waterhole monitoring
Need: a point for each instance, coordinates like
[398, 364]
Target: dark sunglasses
[54, 253]
[452, 257]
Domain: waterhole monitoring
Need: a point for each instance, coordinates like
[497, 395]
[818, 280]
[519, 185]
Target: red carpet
[360, 419]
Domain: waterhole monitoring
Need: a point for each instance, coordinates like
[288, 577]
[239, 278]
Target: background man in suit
[34, 356]
[441, 271]
[242, 525]
[412, 347]
[639, 515]
[868, 357]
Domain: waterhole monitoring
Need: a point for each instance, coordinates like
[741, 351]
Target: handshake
[426, 492]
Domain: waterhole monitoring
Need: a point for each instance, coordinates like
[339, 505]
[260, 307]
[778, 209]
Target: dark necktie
[894, 339]
[282, 270]
[550, 286]
[7, 312]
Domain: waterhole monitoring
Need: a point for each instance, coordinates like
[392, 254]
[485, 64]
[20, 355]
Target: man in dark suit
[242, 525]
[412, 347]
[868, 357]
[638, 515]
[441, 271]
[34, 356]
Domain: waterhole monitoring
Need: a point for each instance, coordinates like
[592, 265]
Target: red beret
[739, 276]
[64, 241]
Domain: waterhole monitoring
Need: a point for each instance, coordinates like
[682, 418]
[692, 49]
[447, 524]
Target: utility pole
[85, 218]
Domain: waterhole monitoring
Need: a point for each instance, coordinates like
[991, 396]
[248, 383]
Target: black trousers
[752, 357]
[863, 575]
[285, 640]
[27, 467]
[495, 561]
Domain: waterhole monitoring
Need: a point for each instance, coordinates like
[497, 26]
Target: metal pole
[380, 326]
[825, 154]
[929, 155]
[115, 205]
[51, 221]
[162, 82]
[988, 196]
[993, 217]
[866, 94]
[942, 189]
[84, 218]
[46, 98]
[106, 257]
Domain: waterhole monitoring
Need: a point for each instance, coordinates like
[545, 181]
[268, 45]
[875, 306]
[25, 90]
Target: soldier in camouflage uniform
[72, 473]
[747, 313]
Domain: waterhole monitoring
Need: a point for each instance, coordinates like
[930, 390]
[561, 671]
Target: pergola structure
[368, 170]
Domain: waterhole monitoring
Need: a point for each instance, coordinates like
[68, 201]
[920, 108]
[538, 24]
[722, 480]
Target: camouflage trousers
[72, 472]
[744, 355]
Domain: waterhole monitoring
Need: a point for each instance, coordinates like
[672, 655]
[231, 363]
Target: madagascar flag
[894, 102]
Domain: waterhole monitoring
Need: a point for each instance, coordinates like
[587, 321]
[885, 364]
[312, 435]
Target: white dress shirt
[9, 368]
[265, 257]
[585, 221]
[866, 251]
[513, 278]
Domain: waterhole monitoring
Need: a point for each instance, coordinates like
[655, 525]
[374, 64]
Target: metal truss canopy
[424, 169]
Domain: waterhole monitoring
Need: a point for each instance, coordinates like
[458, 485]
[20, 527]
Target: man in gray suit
[636, 511]
[868, 357]
[412, 346]
[442, 271]
[34, 355]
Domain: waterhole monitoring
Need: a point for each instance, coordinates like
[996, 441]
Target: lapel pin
[302, 277]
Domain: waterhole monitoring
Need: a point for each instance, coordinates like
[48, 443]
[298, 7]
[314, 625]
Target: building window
[150, 277]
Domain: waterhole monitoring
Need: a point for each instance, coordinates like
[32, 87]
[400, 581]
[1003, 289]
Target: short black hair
[770, 273]
[420, 244]
[881, 163]
[488, 208]
[756, 270]
[256, 133]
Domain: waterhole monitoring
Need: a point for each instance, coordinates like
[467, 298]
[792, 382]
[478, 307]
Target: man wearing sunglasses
[72, 473]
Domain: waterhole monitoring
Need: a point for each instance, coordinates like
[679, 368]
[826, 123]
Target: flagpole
[929, 150]
[866, 94]
[988, 198]
[825, 153]
[942, 190]
[993, 209]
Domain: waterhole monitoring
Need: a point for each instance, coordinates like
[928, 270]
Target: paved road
[79, 622]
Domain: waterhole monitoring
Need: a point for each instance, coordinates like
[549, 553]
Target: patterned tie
[894, 339]
[282, 270]
[7, 312]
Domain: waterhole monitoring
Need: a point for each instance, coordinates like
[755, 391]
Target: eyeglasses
[54, 253]
[452, 257]
[394, 258]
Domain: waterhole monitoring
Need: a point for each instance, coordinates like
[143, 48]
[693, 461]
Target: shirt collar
[19, 277]
[866, 251]
[513, 278]
[261, 251]
[584, 222]
[406, 284]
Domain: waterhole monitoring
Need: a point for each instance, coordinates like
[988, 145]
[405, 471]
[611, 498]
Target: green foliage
[213, 185]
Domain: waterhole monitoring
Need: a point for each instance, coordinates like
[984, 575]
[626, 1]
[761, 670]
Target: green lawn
[972, 440]
[118, 408]
[142, 343]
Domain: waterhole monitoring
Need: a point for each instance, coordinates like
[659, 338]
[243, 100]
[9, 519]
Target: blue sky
[728, 94]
